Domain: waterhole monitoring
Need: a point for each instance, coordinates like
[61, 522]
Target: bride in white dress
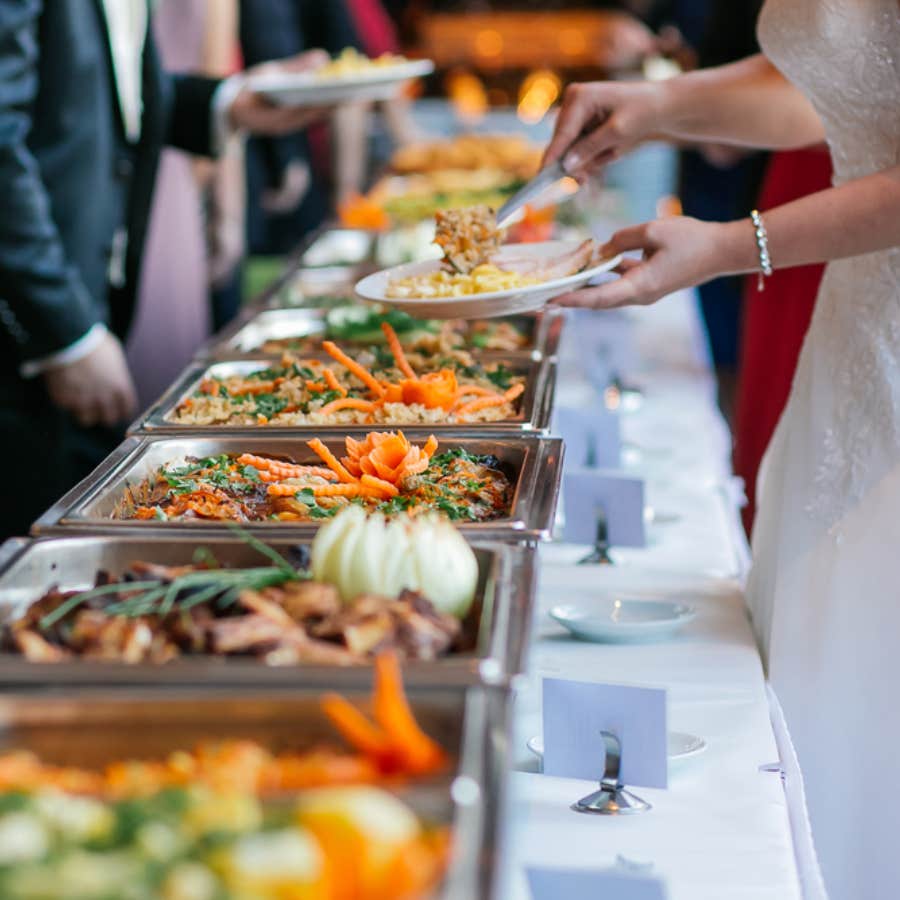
[825, 588]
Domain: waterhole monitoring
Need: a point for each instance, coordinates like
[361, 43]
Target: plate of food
[349, 76]
[479, 276]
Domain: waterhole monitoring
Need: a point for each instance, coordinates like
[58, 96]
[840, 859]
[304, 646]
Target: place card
[604, 339]
[592, 884]
[576, 712]
[592, 435]
[588, 493]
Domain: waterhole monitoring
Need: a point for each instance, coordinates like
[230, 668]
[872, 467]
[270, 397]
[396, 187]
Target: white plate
[679, 745]
[306, 89]
[481, 306]
[615, 617]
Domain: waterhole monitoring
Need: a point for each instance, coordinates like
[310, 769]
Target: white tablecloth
[721, 830]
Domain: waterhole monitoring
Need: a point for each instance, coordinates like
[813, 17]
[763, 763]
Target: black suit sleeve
[44, 304]
[190, 119]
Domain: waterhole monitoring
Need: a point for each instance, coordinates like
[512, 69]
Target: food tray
[499, 625]
[534, 414]
[534, 465]
[99, 725]
[249, 332]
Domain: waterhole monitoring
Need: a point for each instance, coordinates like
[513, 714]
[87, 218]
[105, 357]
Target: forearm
[861, 216]
[748, 103]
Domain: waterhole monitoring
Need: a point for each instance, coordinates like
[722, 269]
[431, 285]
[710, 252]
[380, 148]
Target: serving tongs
[533, 189]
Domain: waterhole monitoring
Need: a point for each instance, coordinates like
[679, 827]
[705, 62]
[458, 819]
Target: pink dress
[173, 315]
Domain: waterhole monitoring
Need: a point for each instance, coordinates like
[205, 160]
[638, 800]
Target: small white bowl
[617, 618]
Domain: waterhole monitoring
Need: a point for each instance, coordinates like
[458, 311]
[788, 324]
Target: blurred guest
[719, 184]
[775, 323]
[84, 111]
[285, 200]
[173, 300]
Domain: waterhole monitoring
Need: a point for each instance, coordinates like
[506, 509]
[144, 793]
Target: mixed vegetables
[391, 391]
[383, 472]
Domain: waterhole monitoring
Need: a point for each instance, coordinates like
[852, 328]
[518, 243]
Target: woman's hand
[678, 252]
[600, 121]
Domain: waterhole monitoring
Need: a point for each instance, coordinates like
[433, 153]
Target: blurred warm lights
[539, 91]
[467, 95]
[489, 43]
[572, 42]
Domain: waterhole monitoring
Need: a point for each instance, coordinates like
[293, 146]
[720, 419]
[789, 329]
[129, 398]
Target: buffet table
[721, 830]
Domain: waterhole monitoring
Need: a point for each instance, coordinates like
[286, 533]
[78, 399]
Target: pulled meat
[469, 237]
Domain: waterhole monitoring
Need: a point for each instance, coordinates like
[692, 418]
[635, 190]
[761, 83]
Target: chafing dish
[98, 726]
[496, 631]
[534, 413]
[249, 332]
[534, 465]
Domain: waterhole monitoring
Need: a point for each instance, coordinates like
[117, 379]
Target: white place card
[593, 436]
[620, 498]
[593, 884]
[577, 712]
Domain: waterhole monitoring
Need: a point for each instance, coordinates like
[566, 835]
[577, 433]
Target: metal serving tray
[250, 331]
[98, 726]
[534, 413]
[498, 626]
[534, 463]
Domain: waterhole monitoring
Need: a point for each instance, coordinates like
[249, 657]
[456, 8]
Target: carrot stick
[431, 446]
[284, 490]
[514, 391]
[363, 374]
[347, 403]
[332, 382]
[420, 753]
[475, 390]
[338, 490]
[316, 387]
[379, 484]
[397, 351]
[354, 727]
[474, 406]
[330, 460]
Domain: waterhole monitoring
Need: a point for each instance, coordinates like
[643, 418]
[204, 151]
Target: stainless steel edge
[11, 549]
[85, 488]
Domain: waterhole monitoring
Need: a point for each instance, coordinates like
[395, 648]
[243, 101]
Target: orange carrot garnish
[332, 382]
[379, 484]
[363, 374]
[418, 752]
[434, 390]
[347, 403]
[355, 489]
[354, 727]
[330, 460]
[396, 349]
[474, 406]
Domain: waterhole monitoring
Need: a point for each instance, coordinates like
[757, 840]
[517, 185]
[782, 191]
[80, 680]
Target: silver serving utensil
[543, 180]
[600, 553]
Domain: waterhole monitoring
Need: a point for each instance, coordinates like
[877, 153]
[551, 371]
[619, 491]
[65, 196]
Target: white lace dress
[825, 589]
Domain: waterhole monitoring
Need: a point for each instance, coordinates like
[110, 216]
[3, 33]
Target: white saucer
[618, 617]
[679, 745]
[481, 306]
[308, 89]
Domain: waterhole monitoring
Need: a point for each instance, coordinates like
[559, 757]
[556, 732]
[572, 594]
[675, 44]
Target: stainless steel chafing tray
[495, 633]
[248, 334]
[534, 412]
[534, 465]
[98, 726]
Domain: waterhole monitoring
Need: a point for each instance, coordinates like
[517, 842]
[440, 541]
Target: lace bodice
[845, 56]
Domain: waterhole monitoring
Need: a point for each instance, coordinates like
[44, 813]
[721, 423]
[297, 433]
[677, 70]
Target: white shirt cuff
[223, 97]
[86, 344]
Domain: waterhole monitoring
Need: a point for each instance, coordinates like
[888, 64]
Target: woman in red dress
[775, 323]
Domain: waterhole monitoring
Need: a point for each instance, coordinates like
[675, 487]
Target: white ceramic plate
[305, 89]
[481, 306]
[617, 617]
[679, 745]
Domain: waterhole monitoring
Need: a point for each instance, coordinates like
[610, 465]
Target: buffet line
[192, 632]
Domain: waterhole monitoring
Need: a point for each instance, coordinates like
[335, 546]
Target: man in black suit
[84, 112]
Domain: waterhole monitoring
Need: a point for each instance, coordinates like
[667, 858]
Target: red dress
[775, 322]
